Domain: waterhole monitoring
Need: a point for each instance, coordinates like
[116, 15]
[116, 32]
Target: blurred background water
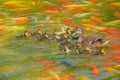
[17, 55]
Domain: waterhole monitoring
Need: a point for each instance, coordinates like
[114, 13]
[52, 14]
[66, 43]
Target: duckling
[82, 39]
[84, 51]
[61, 38]
[65, 36]
[71, 46]
[65, 42]
[98, 52]
[20, 36]
[33, 34]
[69, 32]
[78, 45]
[77, 31]
[57, 38]
[27, 34]
[77, 48]
[44, 36]
[53, 36]
[39, 35]
[102, 51]
[64, 49]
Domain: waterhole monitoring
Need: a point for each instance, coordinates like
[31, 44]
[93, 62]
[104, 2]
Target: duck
[98, 42]
[92, 41]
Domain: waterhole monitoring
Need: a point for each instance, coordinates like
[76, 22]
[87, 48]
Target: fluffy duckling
[52, 36]
[80, 50]
[38, 34]
[96, 51]
[77, 48]
[64, 49]
[77, 31]
[20, 36]
[67, 42]
[69, 32]
[45, 35]
[26, 34]
[57, 38]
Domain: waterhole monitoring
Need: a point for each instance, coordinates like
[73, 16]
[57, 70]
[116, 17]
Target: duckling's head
[39, 31]
[78, 45]
[88, 49]
[102, 51]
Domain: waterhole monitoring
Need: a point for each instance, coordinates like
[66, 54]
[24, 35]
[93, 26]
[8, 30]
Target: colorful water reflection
[29, 59]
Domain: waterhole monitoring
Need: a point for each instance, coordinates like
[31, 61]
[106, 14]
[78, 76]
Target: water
[16, 55]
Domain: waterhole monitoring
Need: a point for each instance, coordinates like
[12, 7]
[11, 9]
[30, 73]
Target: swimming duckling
[54, 36]
[65, 42]
[77, 48]
[96, 51]
[34, 34]
[80, 50]
[69, 32]
[57, 38]
[39, 35]
[64, 49]
[65, 36]
[39, 31]
[77, 45]
[44, 36]
[77, 31]
[26, 34]
[20, 36]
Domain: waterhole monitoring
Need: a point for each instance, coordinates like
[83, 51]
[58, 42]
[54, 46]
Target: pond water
[30, 59]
